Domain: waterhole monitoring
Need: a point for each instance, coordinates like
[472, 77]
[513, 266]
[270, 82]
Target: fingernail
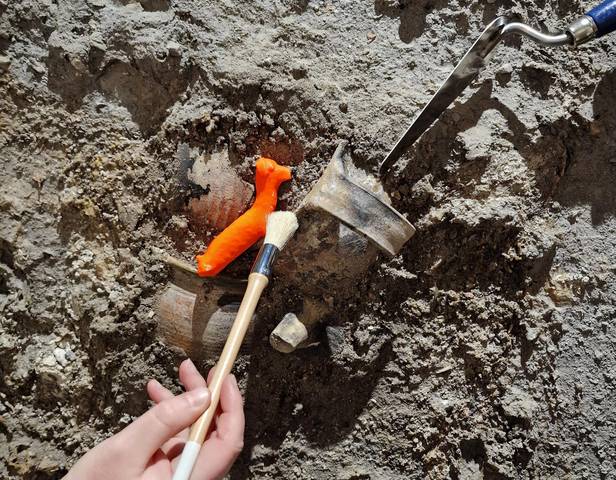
[234, 380]
[198, 397]
[191, 365]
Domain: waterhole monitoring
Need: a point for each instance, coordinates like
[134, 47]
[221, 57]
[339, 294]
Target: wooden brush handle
[256, 284]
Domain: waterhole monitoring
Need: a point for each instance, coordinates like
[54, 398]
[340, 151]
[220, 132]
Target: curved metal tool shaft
[548, 39]
[464, 73]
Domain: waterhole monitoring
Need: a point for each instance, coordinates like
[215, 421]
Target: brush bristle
[280, 228]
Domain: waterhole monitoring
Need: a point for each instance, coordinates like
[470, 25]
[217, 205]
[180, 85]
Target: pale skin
[150, 447]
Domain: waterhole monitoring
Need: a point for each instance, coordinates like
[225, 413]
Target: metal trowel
[599, 21]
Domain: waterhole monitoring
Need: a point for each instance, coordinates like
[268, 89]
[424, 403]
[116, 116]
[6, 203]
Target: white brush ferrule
[265, 260]
[187, 461]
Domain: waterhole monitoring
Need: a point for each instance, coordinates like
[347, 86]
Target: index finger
[152, 429]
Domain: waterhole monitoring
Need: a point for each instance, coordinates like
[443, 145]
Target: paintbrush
[280, 228]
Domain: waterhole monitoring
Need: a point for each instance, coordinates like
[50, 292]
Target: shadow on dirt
[573, 162]
[441, 156]
[590, 177]
[305, 394]
[461, 257]
[440, 145]
[146, 87]
[412, 15]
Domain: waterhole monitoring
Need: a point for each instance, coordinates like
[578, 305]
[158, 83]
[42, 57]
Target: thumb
[152, 429]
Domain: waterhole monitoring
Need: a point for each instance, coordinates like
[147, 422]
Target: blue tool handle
[604, 16]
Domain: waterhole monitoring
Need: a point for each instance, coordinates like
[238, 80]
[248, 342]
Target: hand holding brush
[147, 448]
[280, 228]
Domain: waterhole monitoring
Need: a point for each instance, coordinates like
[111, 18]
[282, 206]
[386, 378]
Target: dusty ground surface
[485, 349]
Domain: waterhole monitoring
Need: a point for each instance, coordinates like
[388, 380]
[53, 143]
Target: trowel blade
[465, 72]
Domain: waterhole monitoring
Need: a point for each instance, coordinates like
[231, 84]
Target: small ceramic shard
[359, 201]
[226, 196]
[288, 334]
[293, 333]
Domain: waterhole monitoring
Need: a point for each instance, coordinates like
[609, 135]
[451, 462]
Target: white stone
[5, 62]
[49, 361]
[60, 356]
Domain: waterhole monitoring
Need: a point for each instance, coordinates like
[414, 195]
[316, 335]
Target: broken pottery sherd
[359, 201]
[225, 195]
[344, 221]
[288, 334]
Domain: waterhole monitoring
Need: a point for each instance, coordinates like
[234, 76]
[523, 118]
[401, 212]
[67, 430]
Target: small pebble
[37, 67]
[49, 361]
[97, 42]
[136, 7]
[531, 333]
[174, 49]
[5, 63]
[505, 68]
[60, 355]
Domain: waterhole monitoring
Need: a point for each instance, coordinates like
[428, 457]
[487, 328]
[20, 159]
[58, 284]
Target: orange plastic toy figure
[250, 226]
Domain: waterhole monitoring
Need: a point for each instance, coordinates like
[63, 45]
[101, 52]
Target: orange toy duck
[250, 226]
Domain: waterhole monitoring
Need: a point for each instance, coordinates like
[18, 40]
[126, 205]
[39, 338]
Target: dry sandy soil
[485, 349]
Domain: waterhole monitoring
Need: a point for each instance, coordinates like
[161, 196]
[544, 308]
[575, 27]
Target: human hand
[150, 447]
